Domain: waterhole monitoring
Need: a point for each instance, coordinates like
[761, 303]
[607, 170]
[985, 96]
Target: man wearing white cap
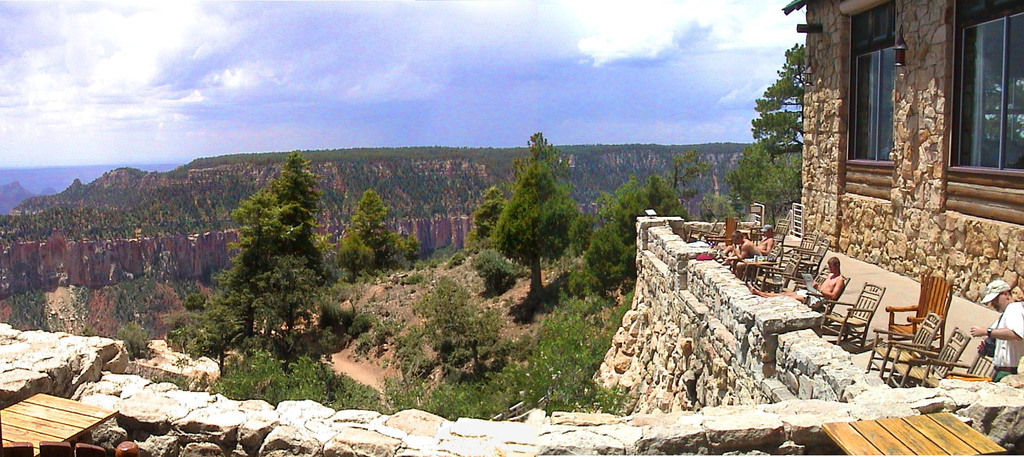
[1008, 330]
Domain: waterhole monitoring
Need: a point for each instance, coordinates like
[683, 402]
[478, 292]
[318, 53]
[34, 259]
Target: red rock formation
[58, 262]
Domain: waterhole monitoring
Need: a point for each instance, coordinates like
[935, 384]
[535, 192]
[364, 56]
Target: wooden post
[127, 449]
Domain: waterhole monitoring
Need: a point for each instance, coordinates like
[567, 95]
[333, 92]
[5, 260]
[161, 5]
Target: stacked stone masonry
[696, 338]
[910, 231]
[168, 422]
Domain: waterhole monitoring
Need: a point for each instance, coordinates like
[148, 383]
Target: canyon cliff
[59, 262]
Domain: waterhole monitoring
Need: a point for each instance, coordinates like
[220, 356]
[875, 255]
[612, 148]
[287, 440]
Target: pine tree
[769, 170]
[534, 224]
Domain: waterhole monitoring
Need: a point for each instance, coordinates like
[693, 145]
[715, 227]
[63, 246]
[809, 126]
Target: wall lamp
[900, 49]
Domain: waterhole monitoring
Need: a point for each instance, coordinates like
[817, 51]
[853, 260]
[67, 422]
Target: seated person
[767, 240]
[830, 288]
[740, 249]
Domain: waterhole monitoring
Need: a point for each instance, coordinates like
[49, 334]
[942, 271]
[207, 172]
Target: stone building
[914, 135]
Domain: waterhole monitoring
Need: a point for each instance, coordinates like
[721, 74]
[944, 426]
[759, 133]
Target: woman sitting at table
[829, 289]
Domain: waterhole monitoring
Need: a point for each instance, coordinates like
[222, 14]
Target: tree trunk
[536, 283]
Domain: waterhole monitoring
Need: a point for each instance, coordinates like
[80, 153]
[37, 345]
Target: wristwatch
[989, 333]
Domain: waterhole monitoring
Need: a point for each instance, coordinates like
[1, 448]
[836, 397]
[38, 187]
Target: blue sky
[160, 82]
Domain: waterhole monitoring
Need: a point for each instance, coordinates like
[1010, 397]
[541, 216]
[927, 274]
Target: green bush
[361, 324]
[458, 259]
[335, 316]
[136, 340]
[260, 376]
[414, 278]
[498, 273]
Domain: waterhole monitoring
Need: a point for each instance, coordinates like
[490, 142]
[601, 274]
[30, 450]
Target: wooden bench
[930, 434]
[44, 417]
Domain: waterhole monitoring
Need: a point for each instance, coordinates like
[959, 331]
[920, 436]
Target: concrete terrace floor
[903, 291]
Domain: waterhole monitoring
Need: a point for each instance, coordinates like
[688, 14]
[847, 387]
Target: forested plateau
[173, 228]
[418, 183]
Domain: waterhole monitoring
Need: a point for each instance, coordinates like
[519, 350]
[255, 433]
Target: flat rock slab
[416, 422]
[352, 441]
[507, 432]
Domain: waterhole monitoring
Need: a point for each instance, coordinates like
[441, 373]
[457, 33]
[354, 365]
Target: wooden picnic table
[44, 417]
[929, 434]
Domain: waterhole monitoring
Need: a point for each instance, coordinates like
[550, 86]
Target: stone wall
[696, 337]
[696, 340]
[168, 422]
[910, 231]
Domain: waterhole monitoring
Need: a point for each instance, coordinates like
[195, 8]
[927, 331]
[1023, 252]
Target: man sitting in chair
[829, 289]
[767, 240]
[740, 249]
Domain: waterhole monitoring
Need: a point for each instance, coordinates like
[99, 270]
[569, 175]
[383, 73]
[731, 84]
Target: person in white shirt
[1007, 330]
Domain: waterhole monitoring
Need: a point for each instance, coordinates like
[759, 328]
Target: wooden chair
[883, 350]
[127, 449]
[980, 370]
[854, 323]
[811, 261]
[775, 279]
[89, 450]
[755, 213]
[18, 449]
[726, 236]
[936, 295]
[55, 449]
[925, 363]
[781, 230]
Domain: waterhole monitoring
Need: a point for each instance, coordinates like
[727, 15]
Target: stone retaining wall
[695, 337]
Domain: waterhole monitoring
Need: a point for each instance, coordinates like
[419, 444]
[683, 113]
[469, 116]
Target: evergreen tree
[687, 168]
[611, 256]
[485, 217]
[535, 222]
[769, 170]
[279, 263]
[368, 231]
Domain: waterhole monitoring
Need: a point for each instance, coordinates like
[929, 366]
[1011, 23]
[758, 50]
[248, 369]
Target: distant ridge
[11, 194]
[418, 182]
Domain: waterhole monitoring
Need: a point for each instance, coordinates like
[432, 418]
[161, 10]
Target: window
[991, 119]
[873, 77]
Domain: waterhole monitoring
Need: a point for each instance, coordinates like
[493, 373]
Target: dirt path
[364, 372]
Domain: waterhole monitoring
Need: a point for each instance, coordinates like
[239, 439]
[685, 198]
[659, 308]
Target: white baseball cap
[993, 290]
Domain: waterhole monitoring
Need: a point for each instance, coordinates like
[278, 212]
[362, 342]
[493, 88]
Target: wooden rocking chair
[936, 295]
[853, 325]
[726, 235]
[882, 353]
[980, 370]
[925, 363]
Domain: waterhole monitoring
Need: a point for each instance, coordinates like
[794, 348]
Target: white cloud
[657, 29]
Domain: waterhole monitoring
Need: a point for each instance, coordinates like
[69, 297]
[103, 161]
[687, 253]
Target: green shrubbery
[498, 273]
[260, 376]
[136, 340]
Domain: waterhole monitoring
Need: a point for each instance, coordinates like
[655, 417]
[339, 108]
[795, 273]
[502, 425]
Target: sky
[86, 83]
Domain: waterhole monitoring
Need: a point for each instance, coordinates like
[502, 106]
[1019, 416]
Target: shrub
[260, 376]
[498, 273]
[414, 278]
[136, 340]
[458, 259]
[361, 324]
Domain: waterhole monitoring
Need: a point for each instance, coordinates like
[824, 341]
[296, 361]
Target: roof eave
[793, 6]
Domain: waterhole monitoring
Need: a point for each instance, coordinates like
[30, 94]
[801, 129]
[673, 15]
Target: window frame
[877, 43]
[968, 174]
